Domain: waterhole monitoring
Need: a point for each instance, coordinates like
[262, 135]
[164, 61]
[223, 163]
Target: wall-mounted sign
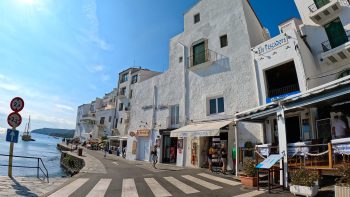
[132, 134]
[272, 44]
[180, 143]
[143, 133]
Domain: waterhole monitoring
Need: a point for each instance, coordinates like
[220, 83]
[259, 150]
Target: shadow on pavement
[22, 190]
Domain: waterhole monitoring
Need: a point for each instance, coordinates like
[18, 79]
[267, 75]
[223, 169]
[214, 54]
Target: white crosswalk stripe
[156, 188]
[218, 179]
[251, 194]
[70, 188]
[201, 182]
[100, 188]
[129, 188]
[181, 186]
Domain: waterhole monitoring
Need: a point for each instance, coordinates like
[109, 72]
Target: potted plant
[342, 187]
[303, 182]
[248, 178]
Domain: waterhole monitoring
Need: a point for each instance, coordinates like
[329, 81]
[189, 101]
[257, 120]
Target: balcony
[336, 53]
[121, 94]
[280, 93]
[325, 10]
[86, 118]
[204, 59]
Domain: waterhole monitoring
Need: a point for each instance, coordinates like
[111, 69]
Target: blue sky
[58, 54]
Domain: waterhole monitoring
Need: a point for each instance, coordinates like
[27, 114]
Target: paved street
[129, 179]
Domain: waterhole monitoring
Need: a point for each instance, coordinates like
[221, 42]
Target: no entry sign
[14, 119]
[17, 104]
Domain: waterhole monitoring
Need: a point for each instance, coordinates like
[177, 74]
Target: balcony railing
[283, 90]
[205, 56]
[314, 7]
[326, 45]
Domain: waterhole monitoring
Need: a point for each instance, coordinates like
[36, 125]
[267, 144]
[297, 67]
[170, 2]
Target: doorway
[293, 129]
[143, 150]
[169, 149]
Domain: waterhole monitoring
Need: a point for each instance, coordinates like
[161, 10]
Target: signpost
[14, 120]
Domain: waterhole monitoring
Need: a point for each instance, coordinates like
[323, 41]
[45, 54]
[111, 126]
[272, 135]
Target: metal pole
[37, 173]
[11, 156]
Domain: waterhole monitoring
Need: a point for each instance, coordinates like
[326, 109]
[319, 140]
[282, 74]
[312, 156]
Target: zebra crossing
[129, 188]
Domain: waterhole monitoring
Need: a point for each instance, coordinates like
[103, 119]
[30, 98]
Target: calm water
[44, 147]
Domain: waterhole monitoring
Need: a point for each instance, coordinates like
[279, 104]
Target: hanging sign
[17, 104]
[14, 119]
[143, 133]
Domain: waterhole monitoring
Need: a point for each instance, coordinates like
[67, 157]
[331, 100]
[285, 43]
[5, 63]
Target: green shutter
[336, 33]
[199, 53]
[320, 3]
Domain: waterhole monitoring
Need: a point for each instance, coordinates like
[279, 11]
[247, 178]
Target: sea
[44, 147]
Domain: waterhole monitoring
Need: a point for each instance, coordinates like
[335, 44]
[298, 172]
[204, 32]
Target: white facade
[227, 72]
[332, 55]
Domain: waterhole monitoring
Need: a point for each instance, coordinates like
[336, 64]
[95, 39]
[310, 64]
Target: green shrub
[304, 177]
[249, 168]
[344, 173]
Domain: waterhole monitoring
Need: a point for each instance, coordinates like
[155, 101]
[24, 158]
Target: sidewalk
[28, 186]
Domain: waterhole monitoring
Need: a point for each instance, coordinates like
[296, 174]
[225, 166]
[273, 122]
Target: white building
[326, 28]
[211, 74]
[85, 122]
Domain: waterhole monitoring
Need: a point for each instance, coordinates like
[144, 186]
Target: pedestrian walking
[210, 157]
[154, 156]
[106, 149]
[233, 160]
[223, 153]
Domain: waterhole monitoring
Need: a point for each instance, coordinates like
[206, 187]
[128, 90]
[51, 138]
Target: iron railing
[283, 90]
[314, 7]
[326, 45]
[39, 167]
[204, 56]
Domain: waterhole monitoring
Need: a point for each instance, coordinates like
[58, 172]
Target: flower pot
[341, 191]
[304, 190]
[249, 181]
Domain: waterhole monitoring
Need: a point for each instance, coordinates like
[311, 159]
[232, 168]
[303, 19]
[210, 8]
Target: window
[321, 3]
[199, 53]
[134, 79]
[130, 94]
[121, 105]
[121, 120]
[344, 73]
[216, 105]
[336, 33]
[197, 18]
[180, 59]
[223, 41]
[122, 91]
[124, 78]
[102, 120]
[110, 119]
[174, 115]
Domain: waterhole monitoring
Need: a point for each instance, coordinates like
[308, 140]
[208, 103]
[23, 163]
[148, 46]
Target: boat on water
[26, 134]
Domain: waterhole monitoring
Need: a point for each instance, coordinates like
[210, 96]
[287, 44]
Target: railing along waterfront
[326, 45]
[313, 7]
[38, 167]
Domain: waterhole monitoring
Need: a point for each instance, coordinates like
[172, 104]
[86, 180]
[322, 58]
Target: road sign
[17, 104]
[12, 135]
[14, 119]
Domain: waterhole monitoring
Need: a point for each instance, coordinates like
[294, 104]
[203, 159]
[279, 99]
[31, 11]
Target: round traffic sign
[17, 104]
[14, 119]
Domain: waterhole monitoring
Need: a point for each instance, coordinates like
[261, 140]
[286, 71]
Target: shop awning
[202, 129]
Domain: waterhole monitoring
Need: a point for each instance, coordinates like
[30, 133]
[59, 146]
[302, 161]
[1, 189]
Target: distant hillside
[65, 133]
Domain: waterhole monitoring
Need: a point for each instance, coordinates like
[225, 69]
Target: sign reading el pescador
[273, 44]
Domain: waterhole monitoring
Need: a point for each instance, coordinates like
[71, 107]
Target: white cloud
[96, 68]
[105, 77]
[90, 11]
[65, 107]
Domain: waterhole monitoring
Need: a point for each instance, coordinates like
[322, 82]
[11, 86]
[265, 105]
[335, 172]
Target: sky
[59, 54]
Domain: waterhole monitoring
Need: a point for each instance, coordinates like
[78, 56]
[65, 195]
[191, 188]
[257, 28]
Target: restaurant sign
[143, 133]
[272, 44]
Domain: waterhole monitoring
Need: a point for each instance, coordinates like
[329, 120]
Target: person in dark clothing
[154, 155]
[223, 153]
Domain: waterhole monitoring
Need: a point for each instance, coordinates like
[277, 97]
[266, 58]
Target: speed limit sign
[17, 104]
[14, 119]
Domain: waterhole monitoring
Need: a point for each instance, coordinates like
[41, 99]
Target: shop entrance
[169, 149]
